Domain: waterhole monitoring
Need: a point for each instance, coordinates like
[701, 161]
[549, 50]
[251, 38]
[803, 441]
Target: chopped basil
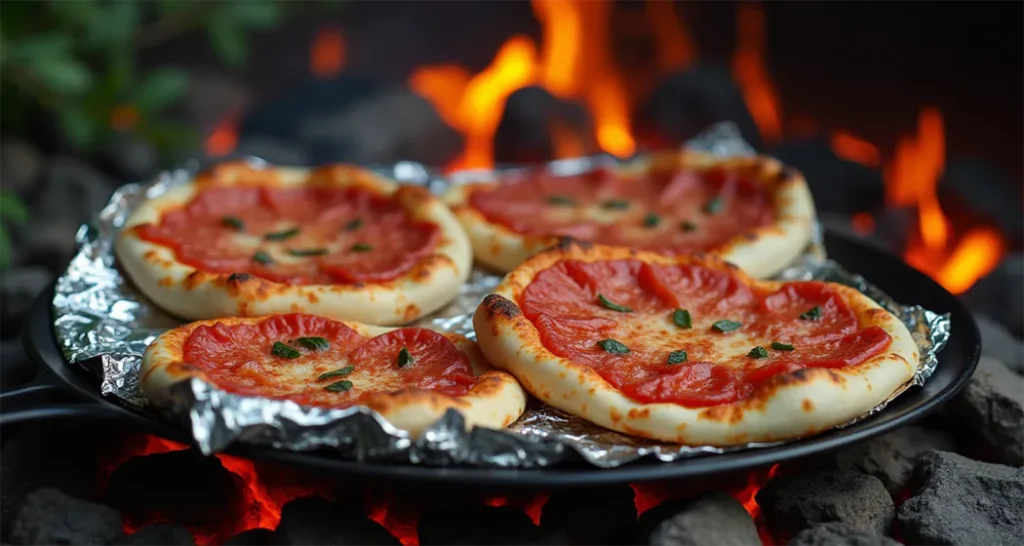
[284, 351]
[715, 205]
[726, 325]
[782, 346]
[307, 251]
[340, 386]
[314, 343]
[361, 247]
[233, 222]
[341, 372]
[651, 220]
[404, 358]
[758, 352]
[561, 201]
[688, 226]
[354, 224]
[677, 357]
[682, 318]
[613, 306]
[262, 257]
[282, 235]
[614, 347]
[814, 313]
[616, 204]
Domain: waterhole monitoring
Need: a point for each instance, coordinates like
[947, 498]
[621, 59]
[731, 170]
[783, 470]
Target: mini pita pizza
[411, 376]
[338, 241]
[750, 211]
[689, 349]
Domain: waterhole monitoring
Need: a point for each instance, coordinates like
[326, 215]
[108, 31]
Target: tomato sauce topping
[673, 213]
[286, 356]
[311, 235]
[625, 319]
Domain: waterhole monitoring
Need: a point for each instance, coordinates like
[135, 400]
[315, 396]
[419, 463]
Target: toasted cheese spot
[807, 405]
[193, 280]
[311, 296]
[583, 408]
[615, 415]
[411, 312]
[165, 282]
[635, 413]
[722, 414]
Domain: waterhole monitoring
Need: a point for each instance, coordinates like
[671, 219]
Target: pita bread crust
[192, 293]
[495, 401]
[788, 406]
[761, 252]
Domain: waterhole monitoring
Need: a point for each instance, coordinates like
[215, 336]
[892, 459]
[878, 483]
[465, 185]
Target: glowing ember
[751, 73]
[849, 147]
[327, 55]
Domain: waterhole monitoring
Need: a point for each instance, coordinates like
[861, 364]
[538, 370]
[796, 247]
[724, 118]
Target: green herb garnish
[613, 306]
[262, 257]
[614, 347]
[561, 201]
[814, 313]
[361, 247]
[341, 372]
[651, 220]
[284, 351]
[340, 386]
[233, 222]
[682, 318]
[354, 224]
[677, 357]
[758, 352]
[782, 346]
[404, 358]
[307, 251]
[282, 235]
[688, 226]
[726, 325]
[616, 204]
[314, 343]
[715, 205]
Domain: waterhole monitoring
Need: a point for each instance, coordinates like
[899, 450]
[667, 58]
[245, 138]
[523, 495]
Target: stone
[839, 534]
[314, 521]
[838, 185]
[449, 524]
[21, 164]
[891, 457]
[956, 500]
[712, 518]
[792, 503]
[598, 516]
[254, 537]
[990, 411]
[989, 296]
[534, 121]
[160, 534]
[1000, 344]
[19, 288]
[47, 516]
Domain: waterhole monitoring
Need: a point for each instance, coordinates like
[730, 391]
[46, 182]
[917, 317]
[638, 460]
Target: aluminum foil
[104, 324]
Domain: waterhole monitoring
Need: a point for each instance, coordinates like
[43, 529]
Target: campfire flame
[327, 54]
[751, 72]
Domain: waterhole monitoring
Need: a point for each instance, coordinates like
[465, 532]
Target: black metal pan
[67, 392]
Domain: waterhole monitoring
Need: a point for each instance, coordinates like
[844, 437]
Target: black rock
[792, 503]
[999, 201]
[20, 166]
[956, 500]
[997, 342]
[19, 288]
[687, 102]
[315, 521]
[254, 537]
[838, 185]
[992, 293]
[15, 367]
[47, 516]
[181, 486]
[160, 534]
[480, 525]
[891, 457]
[838, 534]
[599, 516]
[990, 411]
[531, 117]
[712, 518]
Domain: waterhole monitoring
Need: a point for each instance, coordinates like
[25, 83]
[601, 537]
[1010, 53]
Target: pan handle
[38, 392]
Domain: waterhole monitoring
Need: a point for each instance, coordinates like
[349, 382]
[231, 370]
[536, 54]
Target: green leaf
[676, 357]
[682, 318]
[315, 343]
[228, 41]
[169, 7]
[340, 386]
[340, 372]
[114, 25]
[609, 304]
[779, 346]
[284, 351]
[726, 325]
[12, 209]
[39, 48]
[81, 129]
[255, 13]
[404, 358]
[814, 313]
[161, 89]
[758, 352]
[64, 75]
[613, 346]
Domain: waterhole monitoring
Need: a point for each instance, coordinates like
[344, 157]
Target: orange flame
[675, 45]
[849, 147]
[443, 86]
[223, 139]
[751, 72]
[327, 55]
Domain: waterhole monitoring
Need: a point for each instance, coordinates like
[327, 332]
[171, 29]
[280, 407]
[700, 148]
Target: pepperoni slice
[435, 363]
[308, 235]
[693, 384]
[780, 315]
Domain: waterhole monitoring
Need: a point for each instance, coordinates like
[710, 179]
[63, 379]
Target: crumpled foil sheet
[105, 324]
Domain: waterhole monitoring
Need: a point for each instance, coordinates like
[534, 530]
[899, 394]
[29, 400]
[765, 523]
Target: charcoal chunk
[481, 525]
[160, 534]
[1005, 284]
[601, 516]
[999, 201]
[1000, 344]
[793, 503]
[254, 537]
[531, 119]
[47, 516]
[891, 457]
[712, 518]
[990, 411]
[315, 521]
[956, 500]
[838, 185]
[838, 534]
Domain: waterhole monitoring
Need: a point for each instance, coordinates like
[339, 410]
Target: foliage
[78, 60]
